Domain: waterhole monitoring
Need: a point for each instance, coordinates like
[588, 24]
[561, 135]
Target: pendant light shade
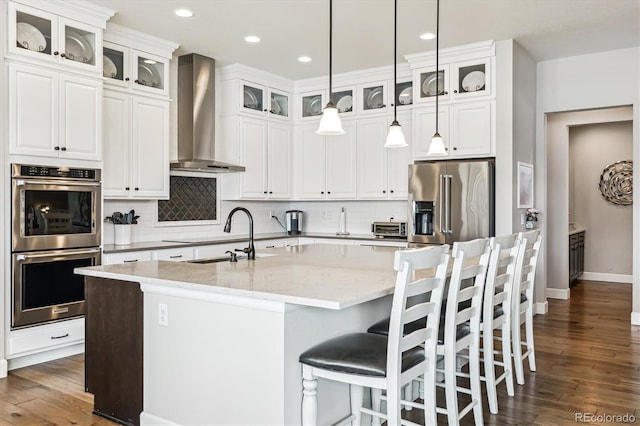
[395, 138]
[330, 122]
[436, 147]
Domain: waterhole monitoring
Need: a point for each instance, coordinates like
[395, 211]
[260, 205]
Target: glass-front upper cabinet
[115, 64]
[403, 94]
[310, 105]
[151, 72]
[373, 98]
[45, 36]
[429, 82]
[471, 78]
[261, 100]
[343, 99]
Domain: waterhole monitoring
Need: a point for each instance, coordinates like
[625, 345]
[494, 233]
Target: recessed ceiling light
[252, 39]
[183, 13]
[304, 59]
[427, 36]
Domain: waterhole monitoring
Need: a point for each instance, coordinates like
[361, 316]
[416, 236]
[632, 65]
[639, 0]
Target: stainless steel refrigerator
[451, 201]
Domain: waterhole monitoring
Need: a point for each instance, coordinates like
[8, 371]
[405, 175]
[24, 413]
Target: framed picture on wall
[525, 185]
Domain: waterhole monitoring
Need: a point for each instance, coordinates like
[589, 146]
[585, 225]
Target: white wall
[572, 84]
[608, 239]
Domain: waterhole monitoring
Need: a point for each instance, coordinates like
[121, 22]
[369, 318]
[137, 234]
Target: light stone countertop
[320, 275]
[577, 229]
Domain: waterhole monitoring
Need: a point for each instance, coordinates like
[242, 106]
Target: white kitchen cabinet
[382, 172]
[70, 38]
[264, 148]
[176, 254]
[326, 165]
[136, 147]
[346, 100]
[31, 340]
[457, 81]
[263, 101]
[309, 105]
[126, 257]
[135, 70]
[466, 128]
[54, 114]
[373, 98]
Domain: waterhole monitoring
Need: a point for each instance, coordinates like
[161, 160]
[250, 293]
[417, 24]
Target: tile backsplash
[191, 199]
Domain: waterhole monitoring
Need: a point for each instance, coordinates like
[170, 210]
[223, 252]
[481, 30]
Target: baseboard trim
[4, 370]
[613, 278]
[541, 308]
[635, 318]
[558, 293]
[147, 419]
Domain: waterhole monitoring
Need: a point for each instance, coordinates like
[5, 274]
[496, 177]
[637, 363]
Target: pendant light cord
[330, 48]
[395, 59]
[437, 55]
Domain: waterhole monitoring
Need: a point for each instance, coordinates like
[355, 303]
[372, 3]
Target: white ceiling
[363, 29]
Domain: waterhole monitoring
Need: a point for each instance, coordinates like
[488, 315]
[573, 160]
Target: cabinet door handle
[455, 148]
[137, 189]
[455, 91]
[62, 55]
[56, 53]
[270, 192]
[63, 149]
[57, 148]
[177, 256]
[60, 337]
[126, 79]
[127, 188]
[328, 192]
[270, 246]
[264, 192]
[130, 261]
[136, 81]
[322, 192]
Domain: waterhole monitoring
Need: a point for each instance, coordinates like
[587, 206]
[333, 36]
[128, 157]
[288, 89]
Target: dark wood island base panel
[113, 348]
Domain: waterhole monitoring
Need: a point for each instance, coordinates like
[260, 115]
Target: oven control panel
[55, 172]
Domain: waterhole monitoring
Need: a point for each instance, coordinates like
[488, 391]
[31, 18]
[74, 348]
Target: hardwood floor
[588, 360]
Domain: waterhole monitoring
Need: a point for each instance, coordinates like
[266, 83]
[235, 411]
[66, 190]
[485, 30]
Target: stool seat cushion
[357, 353]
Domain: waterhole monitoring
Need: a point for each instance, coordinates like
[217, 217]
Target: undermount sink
[240, 256]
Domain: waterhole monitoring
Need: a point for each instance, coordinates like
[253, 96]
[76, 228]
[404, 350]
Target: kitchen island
[221, 340]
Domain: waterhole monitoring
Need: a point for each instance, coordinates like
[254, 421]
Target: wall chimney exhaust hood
[196, 117]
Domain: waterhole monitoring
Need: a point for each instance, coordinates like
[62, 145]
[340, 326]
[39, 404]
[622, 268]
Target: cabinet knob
[136, 81]
[63, 149]
[57, 148]
[270, 192]
[265, 110]
[322, 192]
[136, 188]
[328, 192]
[383, 106]
[391, 191]
[455, 91]
[56, 53]
[62, 55]
[264, 192]
[393, 104]
[446, 93]
[127, 188]
[455, 148]
[384, 192]
[126, 79]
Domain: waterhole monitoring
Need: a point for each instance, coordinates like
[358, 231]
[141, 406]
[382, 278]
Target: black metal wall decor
[616, 183]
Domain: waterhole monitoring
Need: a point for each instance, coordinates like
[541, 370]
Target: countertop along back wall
[609, 243]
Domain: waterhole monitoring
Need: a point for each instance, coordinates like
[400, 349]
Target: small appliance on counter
[389, 229]
[293, 221]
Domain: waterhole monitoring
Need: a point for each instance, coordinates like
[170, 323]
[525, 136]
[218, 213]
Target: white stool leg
[376, 405]
[476, 391]
[408, 395]
[490, 372]
[517, 349]
[357, 395]
[309, 398]
[506, 357]
[529, 338]
[451, 393]
[428, 392]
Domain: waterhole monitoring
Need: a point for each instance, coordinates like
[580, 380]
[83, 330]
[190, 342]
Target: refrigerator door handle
[440, 202]
[447, 201]
[449, 185]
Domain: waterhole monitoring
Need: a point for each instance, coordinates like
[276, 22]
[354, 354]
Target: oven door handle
[23, 257]
[25, 182]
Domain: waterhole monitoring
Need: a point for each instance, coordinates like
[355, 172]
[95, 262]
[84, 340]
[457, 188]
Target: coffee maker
[294, 221]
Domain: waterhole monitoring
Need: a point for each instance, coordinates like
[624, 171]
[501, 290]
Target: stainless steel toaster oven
[389, 229]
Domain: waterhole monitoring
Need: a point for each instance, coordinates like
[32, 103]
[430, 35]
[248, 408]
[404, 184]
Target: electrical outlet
[163, 314]
[523, 218]
[270, 214]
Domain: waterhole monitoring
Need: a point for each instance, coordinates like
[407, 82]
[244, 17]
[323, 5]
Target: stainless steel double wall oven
[56, 227]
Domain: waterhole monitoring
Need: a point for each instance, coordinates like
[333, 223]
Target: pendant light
[395, 138]
[330, 122]
[436, 147]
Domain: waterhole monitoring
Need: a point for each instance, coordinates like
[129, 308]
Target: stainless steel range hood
[196, 117]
